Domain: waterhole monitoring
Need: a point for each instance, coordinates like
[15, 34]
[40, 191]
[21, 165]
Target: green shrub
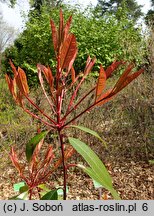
[106, 38]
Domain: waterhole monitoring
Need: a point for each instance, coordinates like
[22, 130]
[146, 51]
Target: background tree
[7, 34]
[37, 4]
[111, 6]
[104, 38]
[11, 3]
[149, 18]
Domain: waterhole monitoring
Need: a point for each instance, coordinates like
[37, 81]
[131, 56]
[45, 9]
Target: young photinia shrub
[64, 87]
[36, 170]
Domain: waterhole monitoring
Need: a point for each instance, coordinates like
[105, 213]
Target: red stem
[74, 94]
[41, 111]
[37, 117]
[38, 191]
[59, 97]
[30, 194]
[45, 94]
[78, 103]
[87, 109]
[63, 163]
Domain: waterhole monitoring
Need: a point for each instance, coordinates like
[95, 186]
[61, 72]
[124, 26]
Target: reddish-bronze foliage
[38, 170]
[100, 83]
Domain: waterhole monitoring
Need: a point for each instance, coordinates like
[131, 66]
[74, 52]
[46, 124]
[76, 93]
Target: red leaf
[33, 161]
[104, 98]
[42, 68]
[37, 150]
[21, 81]
[48, 157]
[130, 78]
[14, 159]
[54, 35]
[59, 90]
[39, 69]
[126, 80]
[67, 27]
[113, 67]
[47, 73]
[68, 52]
[13, 68]
[13, 89]
[67, 154]
[89, 65]
[72, 61]
[10, 85]
[122, 78]
[51, 79]
[101, 83]
[104, 101]
[61, 26]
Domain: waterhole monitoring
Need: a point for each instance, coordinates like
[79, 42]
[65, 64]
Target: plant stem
[38, 190]
[41, 111]
[37, 117]
[45, 94]
[30, 194]
[70, 111]
[63, 163]
[88, 109]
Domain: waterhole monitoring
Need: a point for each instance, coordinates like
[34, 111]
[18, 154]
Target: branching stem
[86, 110]
[41, 111]
[80, 101]
[37, 117]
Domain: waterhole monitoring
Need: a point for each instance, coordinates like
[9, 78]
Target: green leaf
[94, 133]
[23, 189]
[23, 196]
[44, 187]
[97, 170]
[51, 195]
[60, 191]
[91, 158]
[97, 184]
[18, 185]
[14, 198]
[99, 180]
[31, 145]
